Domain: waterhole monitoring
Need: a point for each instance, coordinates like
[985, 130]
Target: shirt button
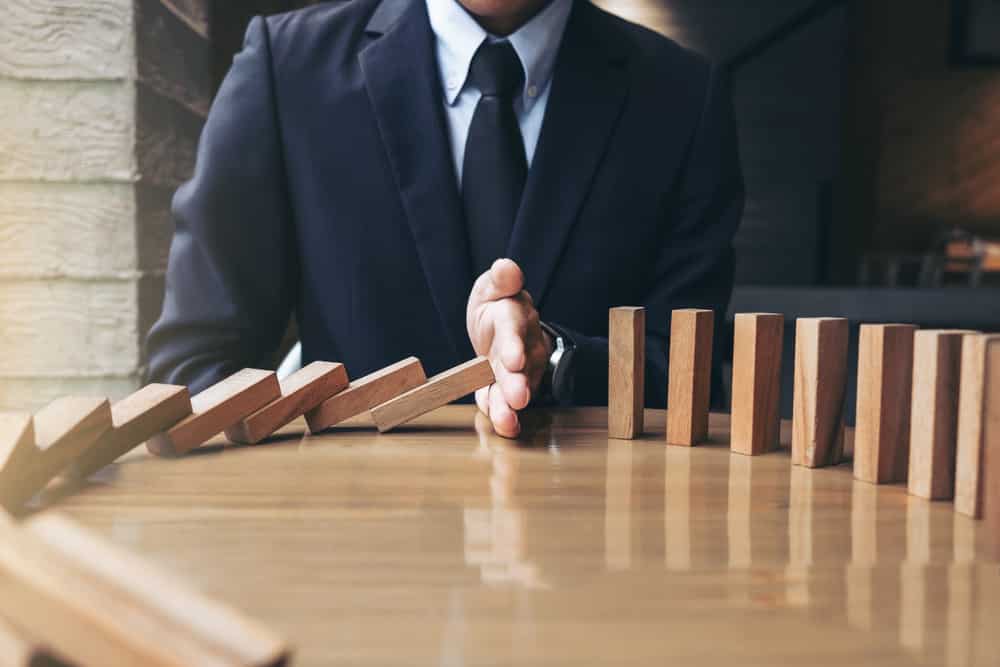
[532, 91]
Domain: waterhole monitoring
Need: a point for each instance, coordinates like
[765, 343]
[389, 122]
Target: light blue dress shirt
[458, 36]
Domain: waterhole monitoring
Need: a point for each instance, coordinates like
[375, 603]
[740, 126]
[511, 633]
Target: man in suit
[363, 162]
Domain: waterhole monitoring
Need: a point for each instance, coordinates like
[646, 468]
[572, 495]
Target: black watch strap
[558, 382]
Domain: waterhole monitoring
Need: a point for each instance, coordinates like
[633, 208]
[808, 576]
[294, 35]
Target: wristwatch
[557, 384]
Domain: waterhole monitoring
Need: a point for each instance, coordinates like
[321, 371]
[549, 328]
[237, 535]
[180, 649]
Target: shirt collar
[458, 36]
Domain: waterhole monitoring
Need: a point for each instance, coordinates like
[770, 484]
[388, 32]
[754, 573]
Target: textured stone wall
[101, 102]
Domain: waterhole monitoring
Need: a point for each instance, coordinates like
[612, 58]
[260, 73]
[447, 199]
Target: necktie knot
[496, 70]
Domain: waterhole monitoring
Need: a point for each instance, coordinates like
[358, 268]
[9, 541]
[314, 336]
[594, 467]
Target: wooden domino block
[216, 409]
[972, 412]
[820, 391]
[626, 372]
[937, 358]
[991, 448]
[366, 393]
[690, 383]
[301, 391]
[882, 422]
[438, 391]
[758, 338]
[135, 419]
[63, 430]
[90, 600]
[17, 649]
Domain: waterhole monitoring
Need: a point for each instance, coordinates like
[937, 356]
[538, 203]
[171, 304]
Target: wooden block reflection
[913, 576]
[800, 536]
[864, 556]
[618, 507]
[677, 509]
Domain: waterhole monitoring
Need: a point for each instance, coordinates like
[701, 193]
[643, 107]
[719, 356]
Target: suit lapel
[403, 83]
[589, 87]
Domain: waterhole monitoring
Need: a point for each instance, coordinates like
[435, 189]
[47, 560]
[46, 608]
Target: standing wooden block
[690, 383]
[937, 359]
[364, 394]
[882, 422]
[301, 391]
[64, 430]
[626, 372]
[90, 600]
[991, 447]
[758, 338]
[972, 411]
[820, 390]
[216, 409]
[135, 420]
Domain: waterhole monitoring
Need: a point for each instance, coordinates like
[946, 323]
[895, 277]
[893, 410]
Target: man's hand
[504, 326]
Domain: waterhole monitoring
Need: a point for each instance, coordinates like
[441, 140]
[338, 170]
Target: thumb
[503, 280]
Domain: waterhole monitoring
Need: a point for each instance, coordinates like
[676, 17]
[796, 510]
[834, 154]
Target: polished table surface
[442, 544]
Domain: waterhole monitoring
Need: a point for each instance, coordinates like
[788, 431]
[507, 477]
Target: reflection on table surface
[443, 544]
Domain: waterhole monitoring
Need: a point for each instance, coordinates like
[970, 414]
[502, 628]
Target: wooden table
[442, 544]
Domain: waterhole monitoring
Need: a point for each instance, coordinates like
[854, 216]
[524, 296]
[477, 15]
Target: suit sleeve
[231, 274]
[695, 266]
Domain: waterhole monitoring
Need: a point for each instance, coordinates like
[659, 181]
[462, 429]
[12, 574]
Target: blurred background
[870, 137]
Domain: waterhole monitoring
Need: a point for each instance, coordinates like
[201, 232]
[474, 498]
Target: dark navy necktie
[495, 166]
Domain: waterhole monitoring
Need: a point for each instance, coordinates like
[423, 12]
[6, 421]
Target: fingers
[513, 387]
[503, 280]
[510, 326]
[504, 419]
[483, 400]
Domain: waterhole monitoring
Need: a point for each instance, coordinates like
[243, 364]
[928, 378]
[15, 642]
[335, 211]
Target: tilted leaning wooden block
[366, 393]
[882, 422]
[301, 391]
[102, 606]
[972, 414]
[937, 356]
[63, 430]
[820, 391]
[438, 391]
[135, 419]
[757, 345]
[690, 382]
[626, 372]
[216, 409]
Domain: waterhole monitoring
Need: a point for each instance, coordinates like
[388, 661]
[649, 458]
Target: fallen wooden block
[135, 419]
[17, 649]
[216, 409]
[690, 382]
[757, 345]
[90, 600]
[366, 393]
[991, 447]
[820, 391]
[626, 372]
[63, 430]
[440, 390]
[301, 391]
[972, 412]
[882, 422]
[937, 359]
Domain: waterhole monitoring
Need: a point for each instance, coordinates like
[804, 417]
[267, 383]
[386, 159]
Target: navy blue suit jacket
[324, 187]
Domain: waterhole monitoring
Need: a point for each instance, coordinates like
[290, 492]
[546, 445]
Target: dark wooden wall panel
[930, 132]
